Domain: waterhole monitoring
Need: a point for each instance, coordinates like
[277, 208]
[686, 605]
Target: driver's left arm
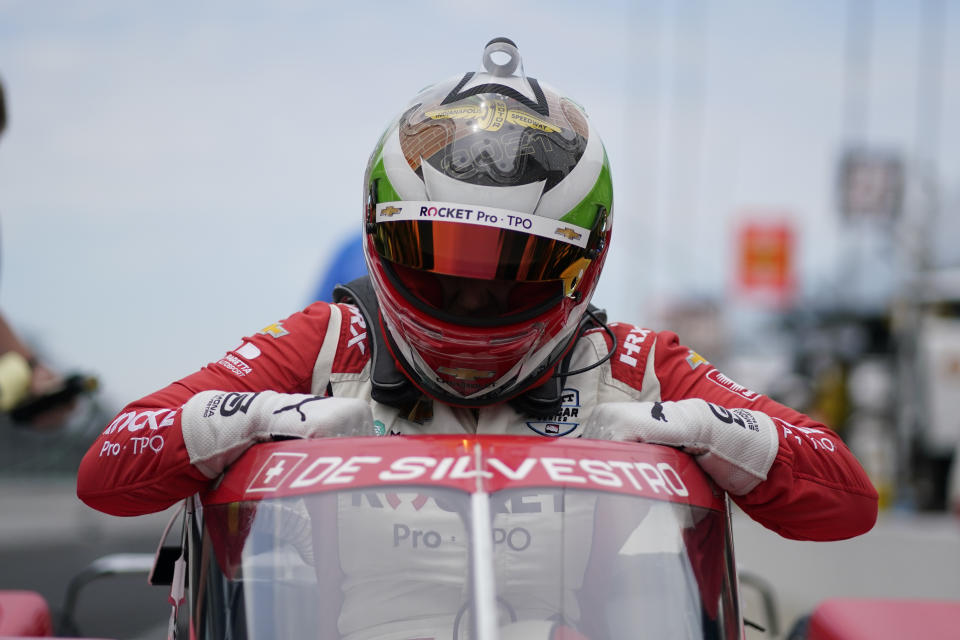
[815, 489]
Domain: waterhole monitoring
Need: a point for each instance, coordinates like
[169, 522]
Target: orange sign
[765, 255]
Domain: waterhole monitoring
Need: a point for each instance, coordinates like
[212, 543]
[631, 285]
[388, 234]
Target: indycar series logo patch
[565, 422]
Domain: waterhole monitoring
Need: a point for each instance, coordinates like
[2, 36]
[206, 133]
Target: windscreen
[396, 564]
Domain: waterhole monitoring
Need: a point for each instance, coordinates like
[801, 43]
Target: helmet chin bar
[528, 372]
[510, 387]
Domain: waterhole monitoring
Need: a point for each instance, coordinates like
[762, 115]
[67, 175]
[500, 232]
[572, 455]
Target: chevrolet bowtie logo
[461, 373]
[568, 233]
[390, 211]
[276, 330]
[694, 359]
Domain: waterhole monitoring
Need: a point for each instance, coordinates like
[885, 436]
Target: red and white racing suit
[815, 489]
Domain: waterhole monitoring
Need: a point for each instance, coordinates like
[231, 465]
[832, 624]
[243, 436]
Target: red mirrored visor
[483, 243]
[477, 299]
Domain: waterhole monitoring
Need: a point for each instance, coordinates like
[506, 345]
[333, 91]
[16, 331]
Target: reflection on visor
[476, 298]
[468, 250]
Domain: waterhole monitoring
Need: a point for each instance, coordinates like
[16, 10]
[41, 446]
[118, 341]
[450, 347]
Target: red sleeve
[139, 464]
[815, 489]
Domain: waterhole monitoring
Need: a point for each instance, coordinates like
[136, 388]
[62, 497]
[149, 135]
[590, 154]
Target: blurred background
[176, 175]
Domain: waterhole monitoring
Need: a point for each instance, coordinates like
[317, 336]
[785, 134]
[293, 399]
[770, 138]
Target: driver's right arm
[142, 462]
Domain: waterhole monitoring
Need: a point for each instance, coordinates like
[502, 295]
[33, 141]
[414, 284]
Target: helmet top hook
[503, 46]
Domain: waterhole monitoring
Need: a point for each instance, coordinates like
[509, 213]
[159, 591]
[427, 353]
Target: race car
[453, 537]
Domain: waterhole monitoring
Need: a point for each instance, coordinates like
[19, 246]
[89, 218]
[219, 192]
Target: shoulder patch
[353, 350]
[237, 361]
[629, 360]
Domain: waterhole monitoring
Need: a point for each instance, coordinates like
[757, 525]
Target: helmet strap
[390, 386]
[546, 399]
[542, 401]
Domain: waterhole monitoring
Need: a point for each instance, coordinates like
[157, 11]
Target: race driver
[487, 216]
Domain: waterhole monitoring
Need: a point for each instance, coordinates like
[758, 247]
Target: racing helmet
[488, 210]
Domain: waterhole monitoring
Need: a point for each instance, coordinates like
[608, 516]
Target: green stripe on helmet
[585, 213]
[385, 190]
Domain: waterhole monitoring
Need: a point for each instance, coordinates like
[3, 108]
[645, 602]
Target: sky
[176, 175]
